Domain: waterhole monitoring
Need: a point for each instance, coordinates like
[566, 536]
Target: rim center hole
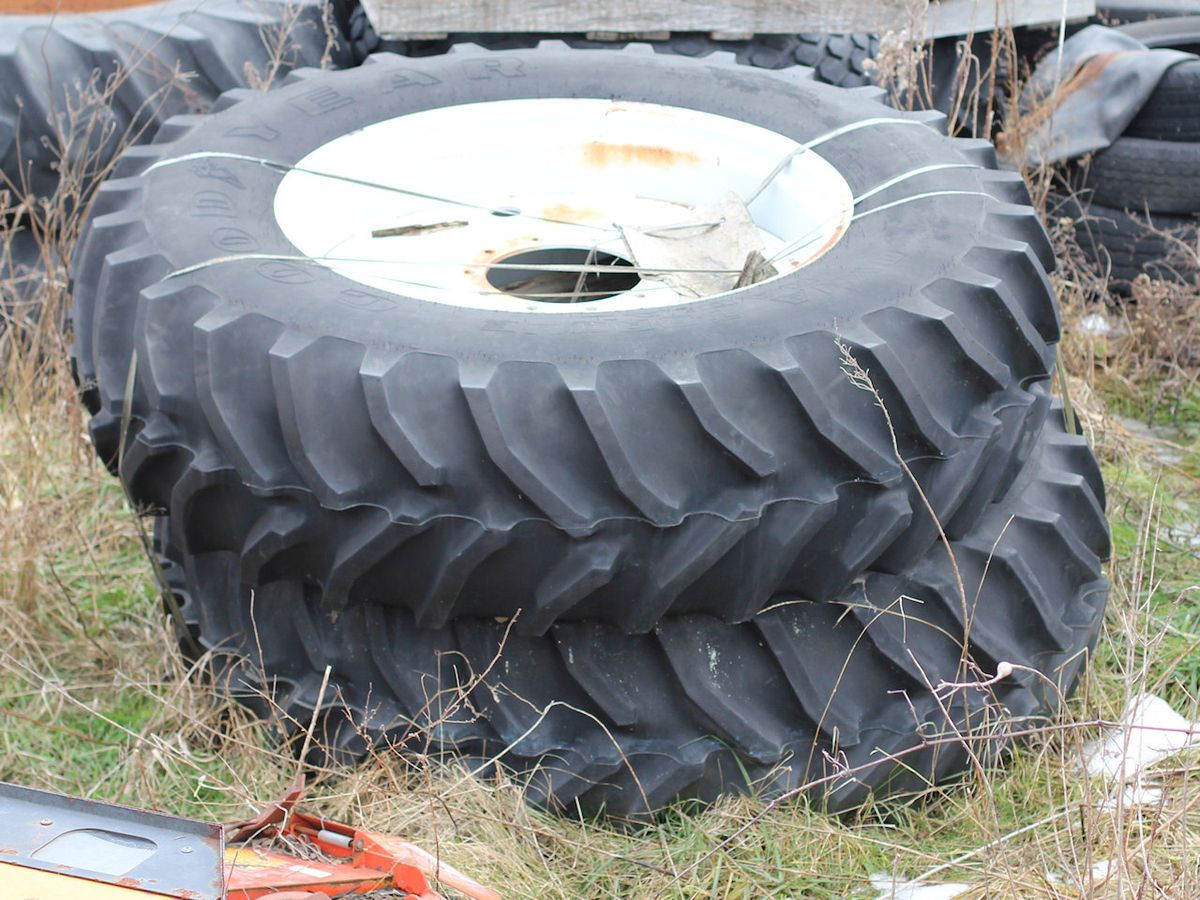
[549, 285]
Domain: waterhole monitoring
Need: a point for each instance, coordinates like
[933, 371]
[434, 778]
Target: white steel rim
[570, 169]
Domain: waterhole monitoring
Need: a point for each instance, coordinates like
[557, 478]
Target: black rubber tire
[1128, 244]
[22, 275]
[1173, 111]
[839, 59]
[45, 59]
[433, 475]
[1140, 173]
[941, 81]
[699, 707]
[361, 36]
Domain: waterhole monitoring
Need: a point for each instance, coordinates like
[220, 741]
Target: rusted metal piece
[52, 845]
[108, 850]
[409, 230]
[346, 861]
[275, 814]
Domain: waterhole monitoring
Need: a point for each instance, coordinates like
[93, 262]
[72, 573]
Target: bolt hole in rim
[536, 180]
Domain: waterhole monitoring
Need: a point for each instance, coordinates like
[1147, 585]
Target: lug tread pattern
[1126, 244]
[838, 59]
[605, 720]
[1143, 174]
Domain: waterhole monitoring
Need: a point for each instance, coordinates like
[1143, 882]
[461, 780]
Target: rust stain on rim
[52, 7]
[601, 155]
[565, 212]
[842, 228]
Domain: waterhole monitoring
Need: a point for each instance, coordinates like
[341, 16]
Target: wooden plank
[631, 15]
[945, 17]
[951, 17]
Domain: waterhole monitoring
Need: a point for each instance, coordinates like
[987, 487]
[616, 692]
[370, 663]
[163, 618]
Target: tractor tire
[608, 462]
[91, 82]
[599, 720]
[22, 276]
[1173, 111]
[1126, 244]
[1144, 174]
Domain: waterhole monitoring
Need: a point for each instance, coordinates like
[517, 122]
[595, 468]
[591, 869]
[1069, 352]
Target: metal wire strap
[422, 195]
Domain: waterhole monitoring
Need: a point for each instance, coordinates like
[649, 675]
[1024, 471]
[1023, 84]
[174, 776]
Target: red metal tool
[347, 860]
[52, 846]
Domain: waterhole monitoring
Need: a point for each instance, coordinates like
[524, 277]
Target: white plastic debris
[891, 889]
[1149, 731]
[1140, 795]
[1103, 871]
[1095, 325]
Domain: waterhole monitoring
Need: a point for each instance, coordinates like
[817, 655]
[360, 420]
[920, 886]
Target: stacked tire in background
[97, 76]
[22, 273]
[1139, 198]
[635, 549]
[81, 83]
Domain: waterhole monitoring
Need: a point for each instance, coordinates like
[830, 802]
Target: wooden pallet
[728, 19]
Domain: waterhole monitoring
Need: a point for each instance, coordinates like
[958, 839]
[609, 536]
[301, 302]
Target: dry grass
[96, 701]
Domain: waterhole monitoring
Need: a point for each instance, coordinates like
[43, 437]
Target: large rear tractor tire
[340, 362]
